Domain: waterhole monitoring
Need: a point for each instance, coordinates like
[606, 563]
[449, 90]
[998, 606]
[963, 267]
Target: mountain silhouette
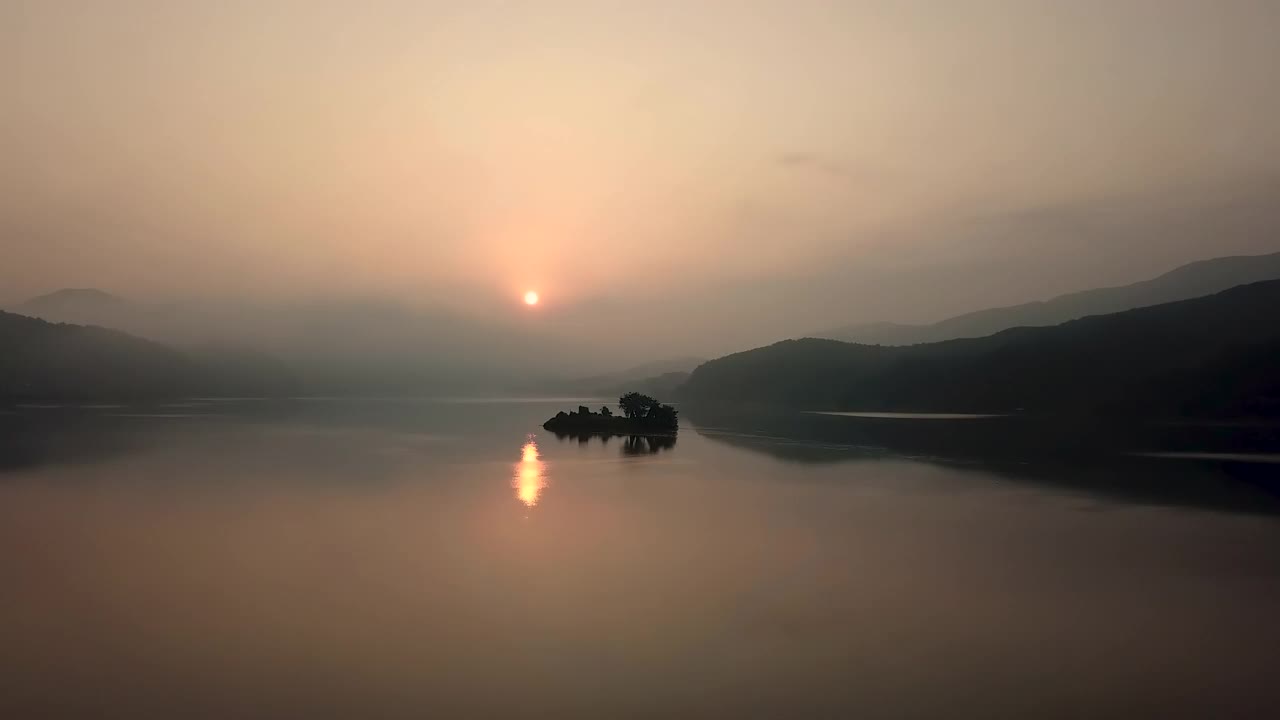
[1188, 281]
[56, 361]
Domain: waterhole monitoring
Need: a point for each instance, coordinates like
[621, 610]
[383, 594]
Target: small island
[641, 415]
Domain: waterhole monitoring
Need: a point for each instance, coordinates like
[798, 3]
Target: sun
[531, 298]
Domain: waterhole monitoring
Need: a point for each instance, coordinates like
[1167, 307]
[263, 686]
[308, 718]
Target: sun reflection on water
[530, 475]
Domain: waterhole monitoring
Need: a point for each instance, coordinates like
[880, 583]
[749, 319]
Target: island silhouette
[641, 415]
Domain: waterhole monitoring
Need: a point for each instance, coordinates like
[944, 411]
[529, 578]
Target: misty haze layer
[756, 170]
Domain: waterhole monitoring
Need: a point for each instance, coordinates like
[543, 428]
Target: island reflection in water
[530, 475]
[631, 444]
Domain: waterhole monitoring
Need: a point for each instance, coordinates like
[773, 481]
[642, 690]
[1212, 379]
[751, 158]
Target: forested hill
[1212, 356]
[55, 361]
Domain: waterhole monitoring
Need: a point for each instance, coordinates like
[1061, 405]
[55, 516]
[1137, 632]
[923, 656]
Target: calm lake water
[376, 559]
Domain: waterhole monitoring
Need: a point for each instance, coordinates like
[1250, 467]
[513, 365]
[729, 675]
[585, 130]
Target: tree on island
[636, 406]
[645, 409]
[662, 416]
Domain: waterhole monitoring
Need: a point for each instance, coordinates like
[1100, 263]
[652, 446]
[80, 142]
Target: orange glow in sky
[531, 298]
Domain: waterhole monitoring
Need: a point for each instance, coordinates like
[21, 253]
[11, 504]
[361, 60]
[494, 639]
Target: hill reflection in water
[253, 554]
[1120, 462]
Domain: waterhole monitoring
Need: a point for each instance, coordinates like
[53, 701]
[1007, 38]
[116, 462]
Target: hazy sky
[713, 172]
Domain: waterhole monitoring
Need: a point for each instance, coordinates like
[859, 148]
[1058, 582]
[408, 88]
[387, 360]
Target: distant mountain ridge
[1217, 356]
[1193, 280]
[659, 378]
[79, 306]
[353, 345]
[72, 297]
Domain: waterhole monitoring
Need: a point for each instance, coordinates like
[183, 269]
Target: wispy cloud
[822, 164]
